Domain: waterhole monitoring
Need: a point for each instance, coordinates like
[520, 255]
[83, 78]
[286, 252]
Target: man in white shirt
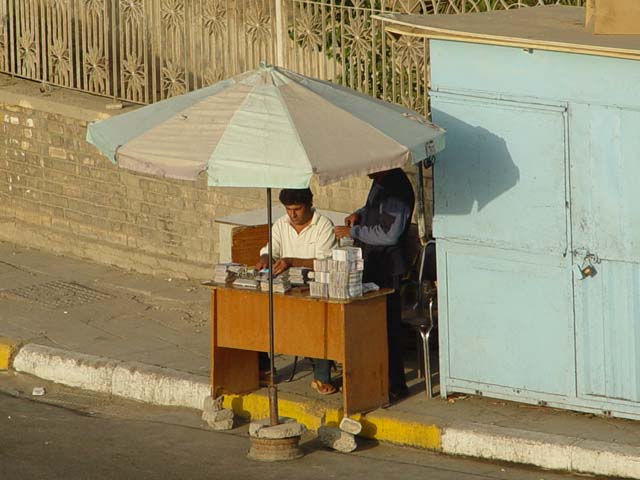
[298, 237]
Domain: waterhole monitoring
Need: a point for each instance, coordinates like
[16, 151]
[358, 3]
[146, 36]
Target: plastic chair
[423, 314]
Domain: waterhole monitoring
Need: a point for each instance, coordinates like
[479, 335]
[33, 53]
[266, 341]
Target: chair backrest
[428, 268]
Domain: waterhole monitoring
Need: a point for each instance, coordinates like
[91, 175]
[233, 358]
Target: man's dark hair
[296, 196]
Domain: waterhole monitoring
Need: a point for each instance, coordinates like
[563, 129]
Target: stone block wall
[57, 193]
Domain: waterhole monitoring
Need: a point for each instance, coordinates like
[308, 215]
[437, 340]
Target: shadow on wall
[474, 169]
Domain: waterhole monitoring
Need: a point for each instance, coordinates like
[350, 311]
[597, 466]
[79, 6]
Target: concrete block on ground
[286, 429]
[265, 422]
[336, 439]
[350, 425]
[88, 372]
[217, 416]
[212, 404]
[159, 386]
[222, 425]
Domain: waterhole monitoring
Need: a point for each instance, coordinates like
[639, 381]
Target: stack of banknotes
[228, 272]
[281, 283]
[340, 276]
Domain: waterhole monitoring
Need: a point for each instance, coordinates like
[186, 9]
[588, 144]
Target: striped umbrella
[268, 128]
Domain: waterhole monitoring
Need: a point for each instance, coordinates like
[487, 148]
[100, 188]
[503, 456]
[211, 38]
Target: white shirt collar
[314, 220]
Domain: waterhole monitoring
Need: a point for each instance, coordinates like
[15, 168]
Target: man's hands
[352, 220]
[263, 262]
[345, 231]
[279, 265]
[342, 232]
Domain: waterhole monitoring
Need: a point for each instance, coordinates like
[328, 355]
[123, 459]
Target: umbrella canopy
[267, 128]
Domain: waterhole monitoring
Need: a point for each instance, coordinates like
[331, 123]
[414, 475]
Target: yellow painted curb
[376, 426]
[7, 349]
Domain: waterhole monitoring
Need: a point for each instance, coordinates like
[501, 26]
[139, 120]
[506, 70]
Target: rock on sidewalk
[336, 439]
[217, 418]
[351, 426]
[211, 404]
[221, 425]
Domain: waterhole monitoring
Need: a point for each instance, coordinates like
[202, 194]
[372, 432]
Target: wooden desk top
[301, 293]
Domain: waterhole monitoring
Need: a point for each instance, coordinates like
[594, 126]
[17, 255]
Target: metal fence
[143, 51]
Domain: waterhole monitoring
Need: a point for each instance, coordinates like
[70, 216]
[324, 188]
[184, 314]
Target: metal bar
[279, 34]
[117, 54]
[273, 389]
[156, 52]
[422, 214]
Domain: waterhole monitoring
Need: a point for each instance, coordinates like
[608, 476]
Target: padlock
[588, 271]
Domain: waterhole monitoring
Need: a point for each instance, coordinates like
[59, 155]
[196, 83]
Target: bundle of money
[346, 266]
[345, 277]
[321, 265]
[346, 254]
[227, 272]
[320, 286]
[281, 283]
[345, 242]
[299, 275]
[247, 283]
[320, 277]
[345, 291]
[318, 289]
[339, 276]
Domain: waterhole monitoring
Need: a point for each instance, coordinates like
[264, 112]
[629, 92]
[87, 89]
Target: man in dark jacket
[380, 228]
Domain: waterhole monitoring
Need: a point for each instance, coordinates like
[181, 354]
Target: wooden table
[352, 332]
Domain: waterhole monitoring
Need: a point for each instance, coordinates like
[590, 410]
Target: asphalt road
[68, 434]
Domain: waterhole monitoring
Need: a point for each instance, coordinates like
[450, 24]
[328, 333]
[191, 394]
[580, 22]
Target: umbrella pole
[273, 390]
[278, 444]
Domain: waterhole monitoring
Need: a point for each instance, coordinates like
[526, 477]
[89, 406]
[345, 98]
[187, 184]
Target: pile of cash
[281, 283]
[319, 289]
[345, 242]
[339, 276]
[228, 272]
[247, 283]
[299, 276]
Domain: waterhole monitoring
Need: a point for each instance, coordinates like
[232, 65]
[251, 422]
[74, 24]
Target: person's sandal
[323, 388]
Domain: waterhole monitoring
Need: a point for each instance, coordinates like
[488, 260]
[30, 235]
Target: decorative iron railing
[136, 50]
[143, 51]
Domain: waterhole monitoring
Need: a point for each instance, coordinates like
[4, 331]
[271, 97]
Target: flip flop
[323, 388]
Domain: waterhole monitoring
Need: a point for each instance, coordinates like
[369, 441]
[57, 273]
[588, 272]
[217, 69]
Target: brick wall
[59, 194]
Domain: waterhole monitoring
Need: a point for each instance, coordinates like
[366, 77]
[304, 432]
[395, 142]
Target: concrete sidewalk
[104, 329]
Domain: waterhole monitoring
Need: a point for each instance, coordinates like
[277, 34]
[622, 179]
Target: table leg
[365, 377]
[232, 370]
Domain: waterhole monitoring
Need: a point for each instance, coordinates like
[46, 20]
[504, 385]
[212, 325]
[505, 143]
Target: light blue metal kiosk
[537, 207]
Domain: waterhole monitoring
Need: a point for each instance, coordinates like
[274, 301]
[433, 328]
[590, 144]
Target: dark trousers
[263, 362]
[322, 370]
[397, 380]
